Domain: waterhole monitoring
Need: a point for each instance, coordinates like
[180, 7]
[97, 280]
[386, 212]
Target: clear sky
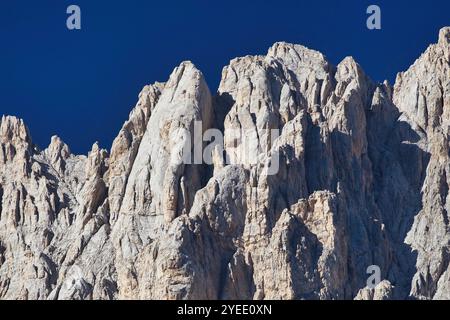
[82, 84]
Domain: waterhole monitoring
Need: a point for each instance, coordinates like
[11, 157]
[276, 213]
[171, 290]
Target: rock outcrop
[323, 173]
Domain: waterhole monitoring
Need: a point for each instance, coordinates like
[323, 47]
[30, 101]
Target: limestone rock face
[126, 145]
[428, 114]
[324, 174]
[161, 185]
[383, 291]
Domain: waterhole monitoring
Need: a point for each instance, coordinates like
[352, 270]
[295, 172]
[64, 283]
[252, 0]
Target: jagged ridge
[363, 180]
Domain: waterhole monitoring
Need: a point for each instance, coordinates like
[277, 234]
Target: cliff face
[363, 173]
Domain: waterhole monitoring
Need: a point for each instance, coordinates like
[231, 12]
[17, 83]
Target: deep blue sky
[81, 85]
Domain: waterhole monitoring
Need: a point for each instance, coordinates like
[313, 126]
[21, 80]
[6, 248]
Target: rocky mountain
[362, 179]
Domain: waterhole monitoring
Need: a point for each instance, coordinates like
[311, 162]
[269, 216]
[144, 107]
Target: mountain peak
[13, 128]
[444, 36]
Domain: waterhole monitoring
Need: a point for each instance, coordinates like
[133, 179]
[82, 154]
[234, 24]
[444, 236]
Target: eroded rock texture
[362, 179]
